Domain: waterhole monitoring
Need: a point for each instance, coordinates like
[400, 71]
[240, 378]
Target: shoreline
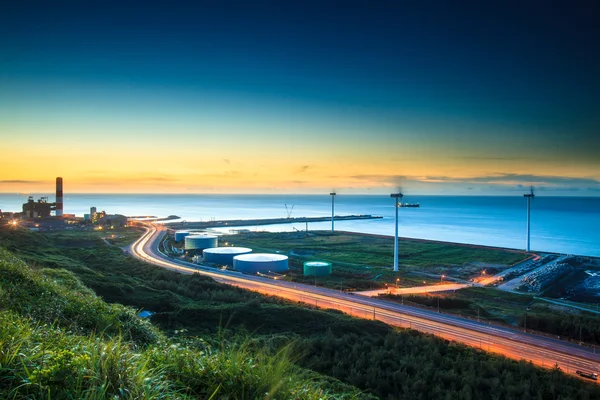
[263, 221]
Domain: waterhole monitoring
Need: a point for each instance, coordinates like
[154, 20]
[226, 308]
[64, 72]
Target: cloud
[519, 179]
[507, 158]
[19, 181]
[303, 168]
[227, 161]
[492, 181]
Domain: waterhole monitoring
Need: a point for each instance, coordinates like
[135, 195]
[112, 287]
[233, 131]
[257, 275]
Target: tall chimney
[59, 197]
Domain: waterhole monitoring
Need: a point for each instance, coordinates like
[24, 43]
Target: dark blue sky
[522, 68]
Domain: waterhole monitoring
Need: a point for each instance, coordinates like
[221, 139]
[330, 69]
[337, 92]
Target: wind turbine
[332, 194]
[529, 196]
[396, 196]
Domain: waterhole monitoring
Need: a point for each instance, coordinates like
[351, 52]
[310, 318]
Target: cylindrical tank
[224, 255]
[180, 235]
[317, 268]
[260, 262]
[196, 243]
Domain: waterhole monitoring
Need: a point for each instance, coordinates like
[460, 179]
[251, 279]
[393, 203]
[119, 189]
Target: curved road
[512, 343]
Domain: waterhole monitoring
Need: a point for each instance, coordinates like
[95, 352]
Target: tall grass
[58, 340]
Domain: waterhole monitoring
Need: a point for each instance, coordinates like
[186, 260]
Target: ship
[414, 205]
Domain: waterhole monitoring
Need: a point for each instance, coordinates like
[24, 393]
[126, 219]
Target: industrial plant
[42, 214]
[42, 208]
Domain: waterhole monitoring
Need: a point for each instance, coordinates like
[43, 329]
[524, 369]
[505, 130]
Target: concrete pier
[266, 221]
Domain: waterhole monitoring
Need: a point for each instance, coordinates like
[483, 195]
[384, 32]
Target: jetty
[263, 221]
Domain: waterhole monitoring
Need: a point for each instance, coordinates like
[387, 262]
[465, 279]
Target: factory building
[195, 244]
[260, 263]
[317, 268]
[42, 208]
[37, 209]
[113, 221]
[224, 255]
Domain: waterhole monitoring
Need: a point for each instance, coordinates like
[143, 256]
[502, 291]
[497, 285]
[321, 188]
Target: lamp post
[442, 278]
[529, 197]
[396, 196]
[332, 194]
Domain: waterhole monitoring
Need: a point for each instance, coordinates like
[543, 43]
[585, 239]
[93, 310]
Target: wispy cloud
[303, 168]
[20, 181]
[517, 179]
[491, 181]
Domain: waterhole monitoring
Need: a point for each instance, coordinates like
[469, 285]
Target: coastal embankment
[264, 221]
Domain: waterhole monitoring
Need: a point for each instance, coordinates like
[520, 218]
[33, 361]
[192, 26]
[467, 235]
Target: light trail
[511, 343]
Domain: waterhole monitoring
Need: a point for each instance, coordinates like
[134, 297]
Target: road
[511, 343]
[443, 287]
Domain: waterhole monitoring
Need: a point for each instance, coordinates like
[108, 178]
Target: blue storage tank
[180, 235]
[194, 244]
[224, 255]
[260, 262]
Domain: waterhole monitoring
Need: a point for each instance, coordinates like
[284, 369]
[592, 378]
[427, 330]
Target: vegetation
[363, 261]
[58, 340]
[198, 315]
[513, 309]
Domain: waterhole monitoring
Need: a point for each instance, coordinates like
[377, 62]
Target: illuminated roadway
[512, 343]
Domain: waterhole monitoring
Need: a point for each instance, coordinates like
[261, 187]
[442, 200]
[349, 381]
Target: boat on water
[409, 205]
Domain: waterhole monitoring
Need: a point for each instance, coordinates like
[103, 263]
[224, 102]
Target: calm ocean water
[559, 224]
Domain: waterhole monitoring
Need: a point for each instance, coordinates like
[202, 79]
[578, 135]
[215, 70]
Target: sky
[300, 97]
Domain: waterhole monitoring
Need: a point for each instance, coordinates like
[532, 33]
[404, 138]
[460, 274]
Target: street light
[442, 278]
[397, 280]
[396, 196]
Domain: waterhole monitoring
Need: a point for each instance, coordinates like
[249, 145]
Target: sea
[569, 225]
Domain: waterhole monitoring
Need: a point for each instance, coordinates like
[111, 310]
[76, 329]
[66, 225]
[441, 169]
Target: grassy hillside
[58, 340]
[362, 261]
[369, 355]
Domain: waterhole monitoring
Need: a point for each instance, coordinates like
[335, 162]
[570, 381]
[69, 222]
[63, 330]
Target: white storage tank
[260, 262]
[224, 255]
[180, 235]
[194, 244]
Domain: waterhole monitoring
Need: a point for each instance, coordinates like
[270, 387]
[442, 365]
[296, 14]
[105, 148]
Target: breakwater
[264, 221]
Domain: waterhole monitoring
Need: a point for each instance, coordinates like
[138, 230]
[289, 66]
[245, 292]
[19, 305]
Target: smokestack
[59, 197]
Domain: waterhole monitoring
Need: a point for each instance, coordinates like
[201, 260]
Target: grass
[199, 340]
[58, 340]
[364, 261]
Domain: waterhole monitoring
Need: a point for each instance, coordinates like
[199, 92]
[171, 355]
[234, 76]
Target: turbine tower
[332, 194]
[396, 196]
[529, 196]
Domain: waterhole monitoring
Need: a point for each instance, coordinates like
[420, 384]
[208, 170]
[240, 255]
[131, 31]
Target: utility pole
[529, 197]
[396, 196]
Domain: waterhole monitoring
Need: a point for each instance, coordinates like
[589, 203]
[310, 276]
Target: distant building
[37, 209]
[113, 220]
